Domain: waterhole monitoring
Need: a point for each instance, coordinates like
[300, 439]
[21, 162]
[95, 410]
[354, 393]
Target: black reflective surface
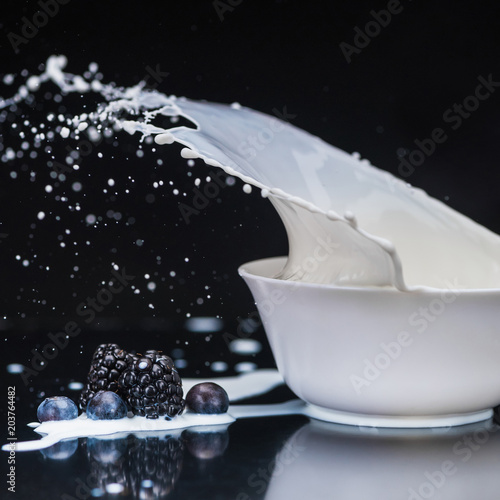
[273, 458]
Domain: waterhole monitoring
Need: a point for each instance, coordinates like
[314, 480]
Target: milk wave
[348, 223]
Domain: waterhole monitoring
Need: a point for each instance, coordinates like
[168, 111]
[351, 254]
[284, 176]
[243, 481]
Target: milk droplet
[219, 366]
[245, 346]
[114, 488]
[15, 368]
[33, 83]
[8, 79]
[188, 153]
[245, 367]
[180, 363]
[203, 324]
[165, 138]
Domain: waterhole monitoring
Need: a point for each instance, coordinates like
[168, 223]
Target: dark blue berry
[206, 445]
[106, 405]
[57, 408]
[107, 451]
[61, 450]
[207, 398]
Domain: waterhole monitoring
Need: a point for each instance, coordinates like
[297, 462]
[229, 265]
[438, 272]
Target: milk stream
[348, 223]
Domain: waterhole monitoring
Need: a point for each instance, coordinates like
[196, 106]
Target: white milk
[240, 387]
[348, 223]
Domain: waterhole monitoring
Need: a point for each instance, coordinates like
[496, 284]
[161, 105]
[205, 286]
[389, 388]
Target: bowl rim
[244, 272]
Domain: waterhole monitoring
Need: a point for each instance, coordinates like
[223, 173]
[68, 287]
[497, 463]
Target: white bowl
[379, 356]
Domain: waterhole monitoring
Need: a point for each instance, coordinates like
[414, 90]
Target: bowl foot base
[363, 420]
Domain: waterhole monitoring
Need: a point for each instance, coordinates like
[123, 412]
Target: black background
[265, 55]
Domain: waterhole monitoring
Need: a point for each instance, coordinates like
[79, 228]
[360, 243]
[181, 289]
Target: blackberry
[152, 387]
[108, 363]
[155, 464]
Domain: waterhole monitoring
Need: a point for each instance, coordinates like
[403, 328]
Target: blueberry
[206, 445]
[106, 405]
[207, 398]
[57, 408]
[61, 450]
[107, 451]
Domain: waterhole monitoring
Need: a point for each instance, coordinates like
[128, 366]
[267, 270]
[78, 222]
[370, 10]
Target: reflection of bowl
[433, 355]
[324, 461]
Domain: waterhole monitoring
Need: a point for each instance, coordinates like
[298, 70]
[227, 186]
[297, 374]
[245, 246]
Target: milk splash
[348, 223]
